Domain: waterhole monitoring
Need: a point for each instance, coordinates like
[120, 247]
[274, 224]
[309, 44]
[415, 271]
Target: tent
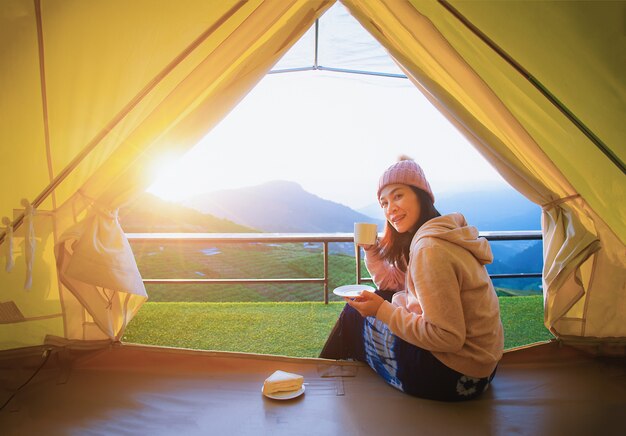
[93, 91]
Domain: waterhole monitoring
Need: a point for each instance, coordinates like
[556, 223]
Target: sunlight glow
[168, 170]
[332, 133]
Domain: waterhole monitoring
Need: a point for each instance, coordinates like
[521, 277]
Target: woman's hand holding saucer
[366, 303]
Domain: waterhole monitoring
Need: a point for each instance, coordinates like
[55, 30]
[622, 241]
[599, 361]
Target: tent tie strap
[108, 298]
[558, 201]
[29, 241]
[99, 208]
[8, 246]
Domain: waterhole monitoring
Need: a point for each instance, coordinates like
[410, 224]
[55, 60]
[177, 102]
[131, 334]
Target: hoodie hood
[453, 228]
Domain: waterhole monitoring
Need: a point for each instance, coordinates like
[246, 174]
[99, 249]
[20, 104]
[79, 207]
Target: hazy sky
[333, 133]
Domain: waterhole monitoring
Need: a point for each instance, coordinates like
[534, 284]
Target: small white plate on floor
[288, 395]
[351, 290]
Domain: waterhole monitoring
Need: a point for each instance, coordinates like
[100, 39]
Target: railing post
[325, 251]
[357, 256]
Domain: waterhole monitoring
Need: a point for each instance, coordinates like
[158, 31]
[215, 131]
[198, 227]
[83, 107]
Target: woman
[433, 329]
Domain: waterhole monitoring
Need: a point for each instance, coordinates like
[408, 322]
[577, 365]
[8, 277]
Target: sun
[168, 176]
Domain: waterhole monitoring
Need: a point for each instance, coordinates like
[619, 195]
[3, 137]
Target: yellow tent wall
[94, 92]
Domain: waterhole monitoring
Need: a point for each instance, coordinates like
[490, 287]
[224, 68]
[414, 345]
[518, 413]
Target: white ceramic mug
[365, 233]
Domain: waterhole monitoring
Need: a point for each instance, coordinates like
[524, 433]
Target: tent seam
[46, 125]
[537, 85]
[44, 96]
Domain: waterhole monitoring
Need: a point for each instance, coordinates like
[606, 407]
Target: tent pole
[317, 33]
[546, 93]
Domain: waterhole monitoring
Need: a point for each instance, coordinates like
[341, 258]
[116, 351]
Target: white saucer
[352, 290]
[285, 395]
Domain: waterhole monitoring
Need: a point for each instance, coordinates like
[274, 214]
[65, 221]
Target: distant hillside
[148, 213]
[279, 206]
[531, 259]
[500, 209]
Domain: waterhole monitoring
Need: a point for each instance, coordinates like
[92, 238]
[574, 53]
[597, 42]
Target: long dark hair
[394, 247]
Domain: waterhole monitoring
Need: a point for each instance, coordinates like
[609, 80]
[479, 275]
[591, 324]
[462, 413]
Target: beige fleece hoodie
[449, 305]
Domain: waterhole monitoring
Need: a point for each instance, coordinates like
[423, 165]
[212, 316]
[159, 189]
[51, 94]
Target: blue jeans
[402, 365]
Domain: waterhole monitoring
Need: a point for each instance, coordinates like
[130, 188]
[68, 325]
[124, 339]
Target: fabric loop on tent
[107, 297]
[558, 201]
[8, 246]
[29, 242]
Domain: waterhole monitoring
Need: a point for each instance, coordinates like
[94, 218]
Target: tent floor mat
[547, 389]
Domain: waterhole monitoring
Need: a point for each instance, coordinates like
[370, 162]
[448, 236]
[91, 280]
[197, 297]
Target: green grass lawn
[292, 329]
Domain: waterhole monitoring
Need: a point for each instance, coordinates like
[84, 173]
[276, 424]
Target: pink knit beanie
[406, 172]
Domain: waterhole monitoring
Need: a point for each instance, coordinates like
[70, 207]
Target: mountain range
[148, 213]
[285, 207]
[279, 207]
[498, 209]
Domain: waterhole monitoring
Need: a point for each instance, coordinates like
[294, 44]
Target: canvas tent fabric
[94, 92]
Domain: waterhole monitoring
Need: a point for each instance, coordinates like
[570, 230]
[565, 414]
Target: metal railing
[285, 238]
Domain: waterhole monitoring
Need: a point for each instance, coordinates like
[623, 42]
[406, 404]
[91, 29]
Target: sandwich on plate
[282, 381]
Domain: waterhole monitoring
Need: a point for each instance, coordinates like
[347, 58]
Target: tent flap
[94, 94]
[504, 115]
[96, 264]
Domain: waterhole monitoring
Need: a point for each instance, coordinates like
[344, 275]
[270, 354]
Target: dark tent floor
[130, 389]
